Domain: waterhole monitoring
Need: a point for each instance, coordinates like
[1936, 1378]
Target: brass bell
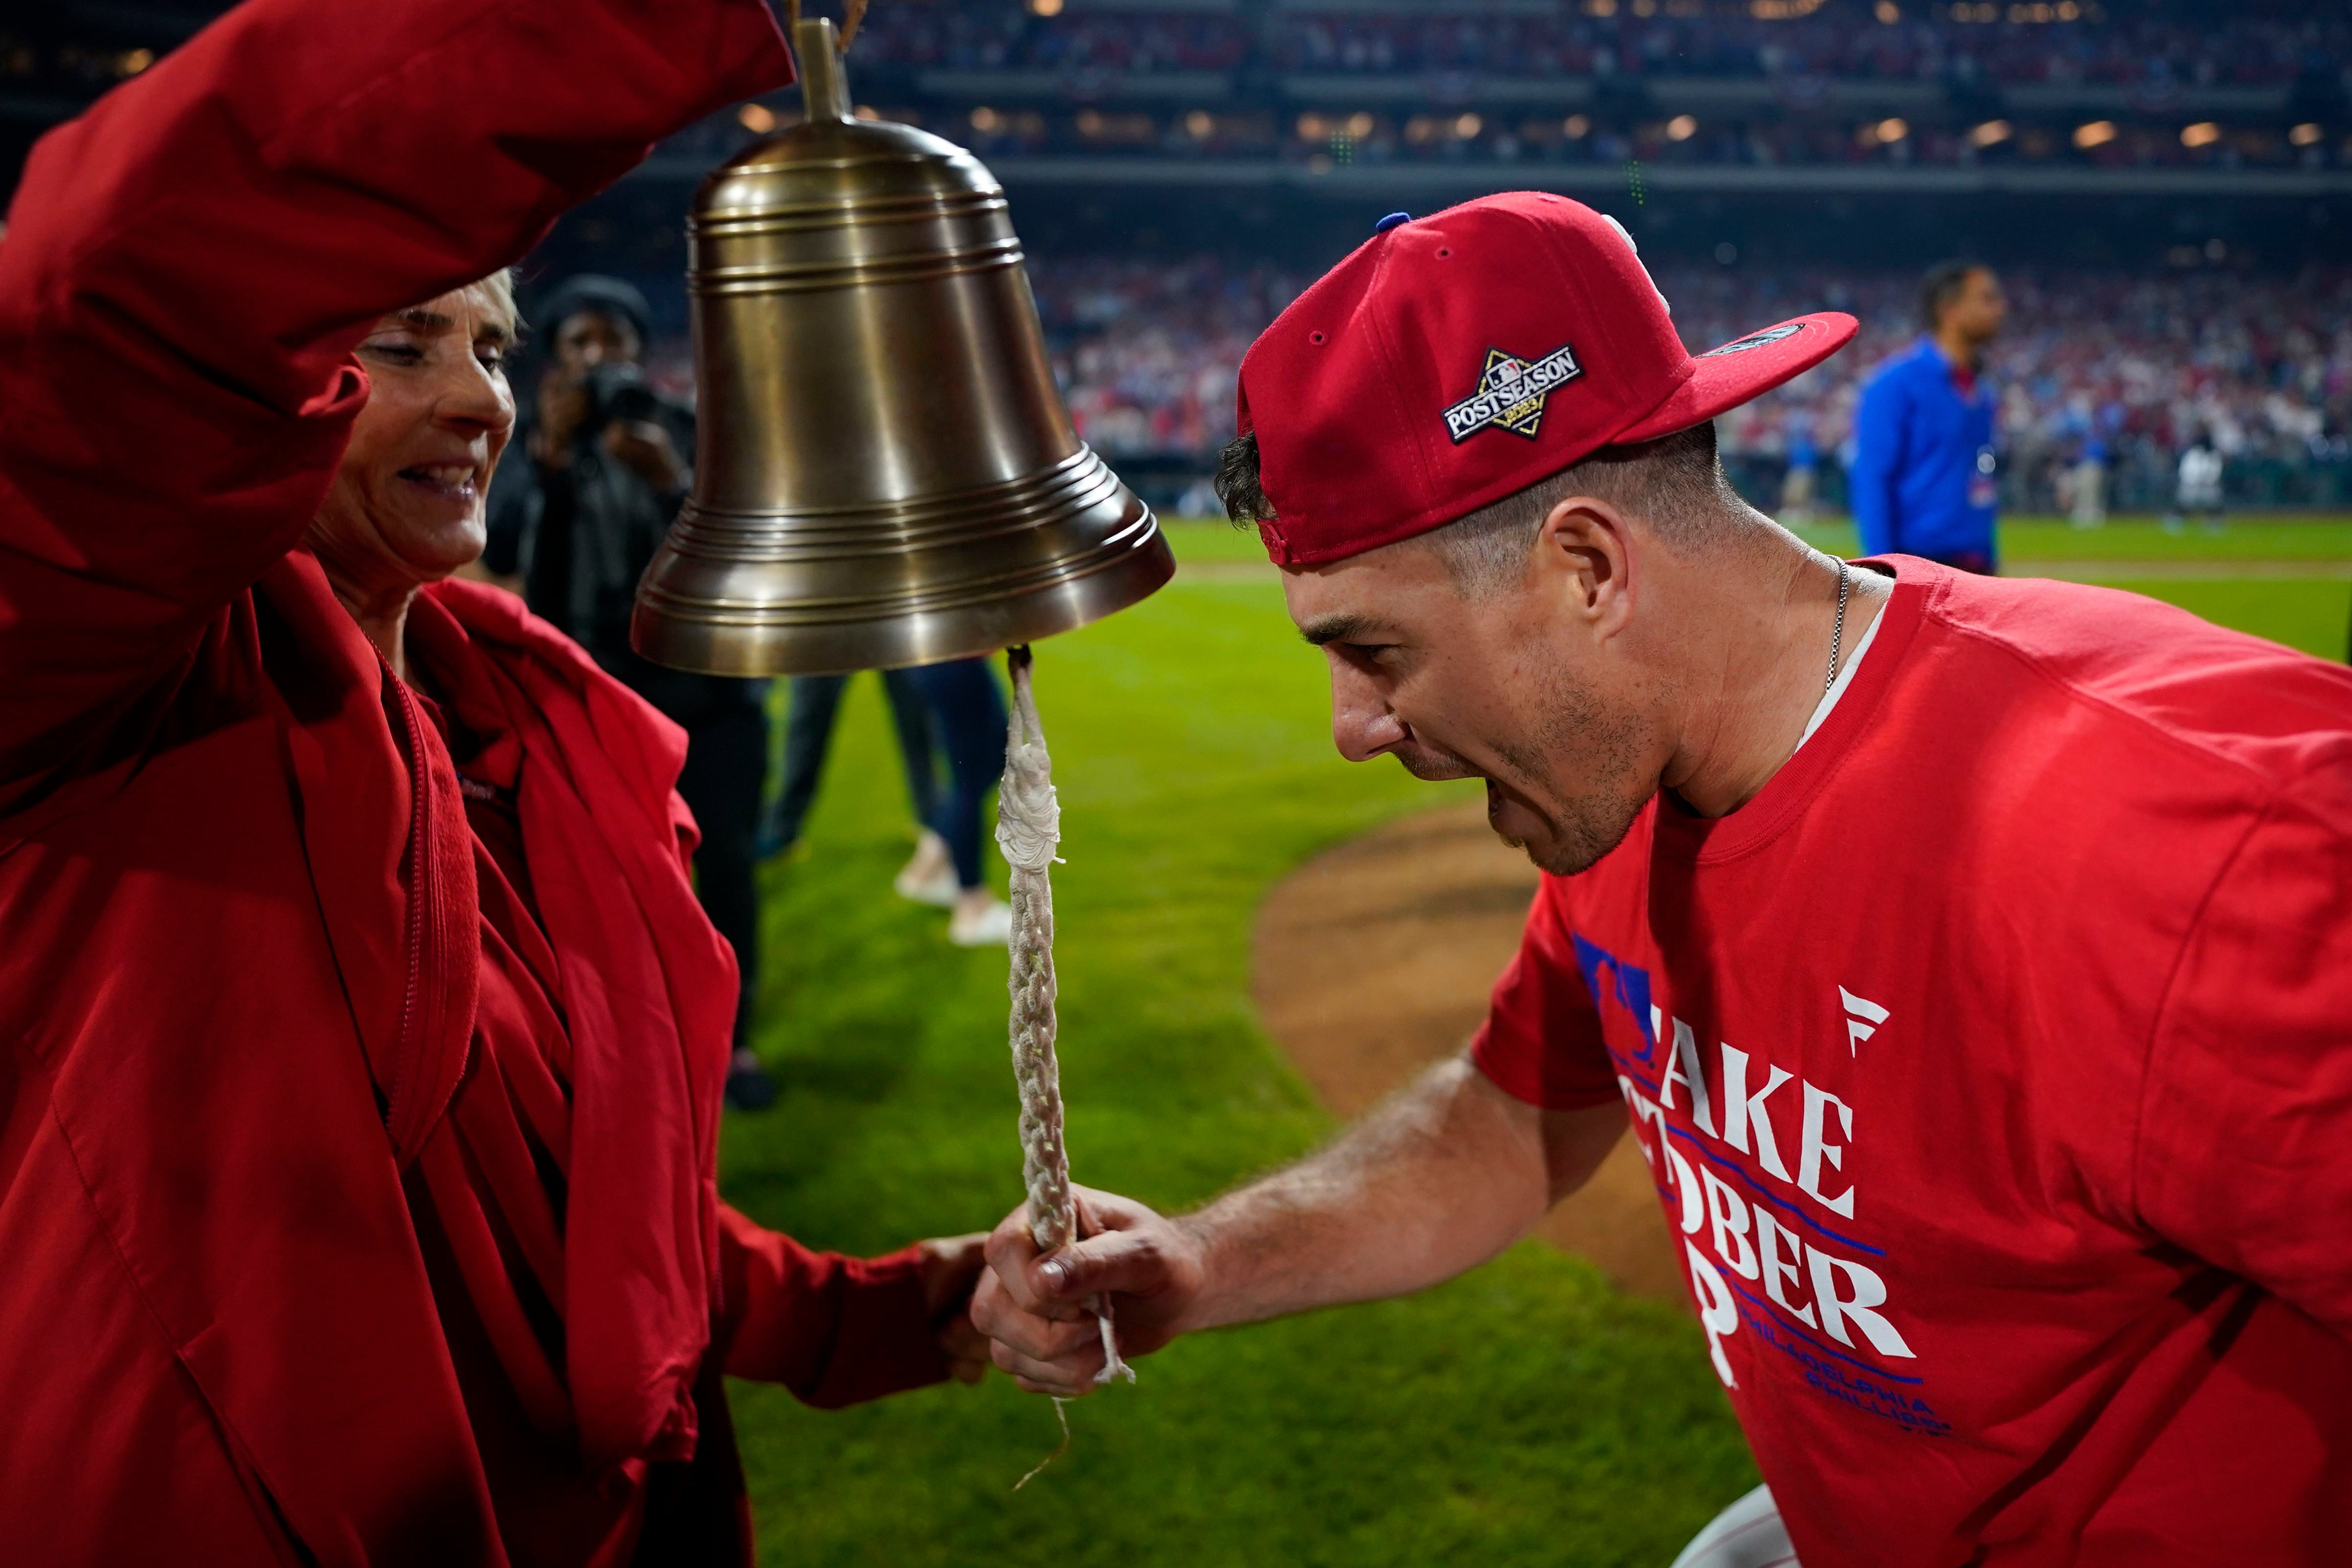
[885, 474]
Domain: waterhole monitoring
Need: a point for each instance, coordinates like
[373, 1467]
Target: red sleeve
[1541, 1040]
[2245, 1144]
[189, 263]
[833, 1330]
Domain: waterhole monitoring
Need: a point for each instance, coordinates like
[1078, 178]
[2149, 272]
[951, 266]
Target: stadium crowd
[1471, 137]
[1971, 51]
[2065, 42]
[1146, 351]
[2242, 51]
[1321, 139]
[2261, 369]
[1795, 119]
[2143, 365]
[1801, 46]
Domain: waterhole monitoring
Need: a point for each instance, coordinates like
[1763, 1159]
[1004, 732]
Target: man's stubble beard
[1576, 734]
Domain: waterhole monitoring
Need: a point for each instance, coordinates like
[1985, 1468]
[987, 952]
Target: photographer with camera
[578, 522]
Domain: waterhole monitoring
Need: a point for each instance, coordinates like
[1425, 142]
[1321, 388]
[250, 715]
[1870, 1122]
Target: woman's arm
[188, 266]
[836, 1330]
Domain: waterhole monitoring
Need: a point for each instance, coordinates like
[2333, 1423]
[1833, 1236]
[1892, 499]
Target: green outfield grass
[1526, 1414]
[2255, 539]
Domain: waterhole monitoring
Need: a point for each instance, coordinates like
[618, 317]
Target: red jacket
[236, 975]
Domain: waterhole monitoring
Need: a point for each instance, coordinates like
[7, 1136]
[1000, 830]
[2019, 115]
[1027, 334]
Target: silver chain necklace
[1837, 633]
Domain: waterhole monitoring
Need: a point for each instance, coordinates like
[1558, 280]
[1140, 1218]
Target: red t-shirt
[1994, 1064]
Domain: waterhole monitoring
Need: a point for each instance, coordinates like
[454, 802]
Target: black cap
[596, 291]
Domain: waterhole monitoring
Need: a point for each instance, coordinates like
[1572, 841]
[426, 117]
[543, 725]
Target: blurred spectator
[2086, 498]
[967, 722]
[1804, 464]
[2198, 488]
[816, 703]
[1924, 464]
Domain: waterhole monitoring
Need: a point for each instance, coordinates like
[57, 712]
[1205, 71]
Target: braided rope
[1029, 830]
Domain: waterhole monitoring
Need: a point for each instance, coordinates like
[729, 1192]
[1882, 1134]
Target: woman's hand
[951, 1267]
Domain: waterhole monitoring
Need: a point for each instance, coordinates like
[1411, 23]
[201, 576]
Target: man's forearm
[1448, 1172]
[1442, 1176]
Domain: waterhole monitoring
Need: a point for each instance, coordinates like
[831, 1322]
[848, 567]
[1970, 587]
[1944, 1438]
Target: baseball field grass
[1525, 1414]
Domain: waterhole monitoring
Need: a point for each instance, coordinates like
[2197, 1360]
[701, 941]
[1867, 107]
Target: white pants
[1747, 1534]
[2090, 495]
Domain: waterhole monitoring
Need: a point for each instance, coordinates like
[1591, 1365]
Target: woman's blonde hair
[498, 289]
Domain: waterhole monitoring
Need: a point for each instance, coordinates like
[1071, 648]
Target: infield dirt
[1374, 959]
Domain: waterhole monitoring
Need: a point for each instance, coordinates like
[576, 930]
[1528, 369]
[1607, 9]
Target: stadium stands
[1597, 81]
[2056, 44]
[1147, 352]
[2055, 96]
[2179, 172]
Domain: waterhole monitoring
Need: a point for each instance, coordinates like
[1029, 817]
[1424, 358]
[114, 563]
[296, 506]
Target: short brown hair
[1943, 284]
[1674, 486]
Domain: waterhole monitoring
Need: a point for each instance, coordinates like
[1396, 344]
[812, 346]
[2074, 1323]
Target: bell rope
[1028, 830]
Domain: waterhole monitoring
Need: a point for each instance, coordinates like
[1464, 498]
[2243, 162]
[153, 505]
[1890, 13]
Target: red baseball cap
[1450, 361]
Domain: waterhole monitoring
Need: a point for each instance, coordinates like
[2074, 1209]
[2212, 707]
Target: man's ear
[1585, 559]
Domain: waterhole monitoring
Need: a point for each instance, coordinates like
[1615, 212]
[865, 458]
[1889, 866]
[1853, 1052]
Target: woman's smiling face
[406, 506]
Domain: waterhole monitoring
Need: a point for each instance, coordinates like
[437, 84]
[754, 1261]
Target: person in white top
[2197, 487]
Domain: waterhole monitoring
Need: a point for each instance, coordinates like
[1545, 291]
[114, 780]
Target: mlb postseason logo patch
[1511, 394]
[1755, 339]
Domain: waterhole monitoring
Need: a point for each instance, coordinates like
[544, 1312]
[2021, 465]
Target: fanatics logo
[1862, 1018]
[1511, 394]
